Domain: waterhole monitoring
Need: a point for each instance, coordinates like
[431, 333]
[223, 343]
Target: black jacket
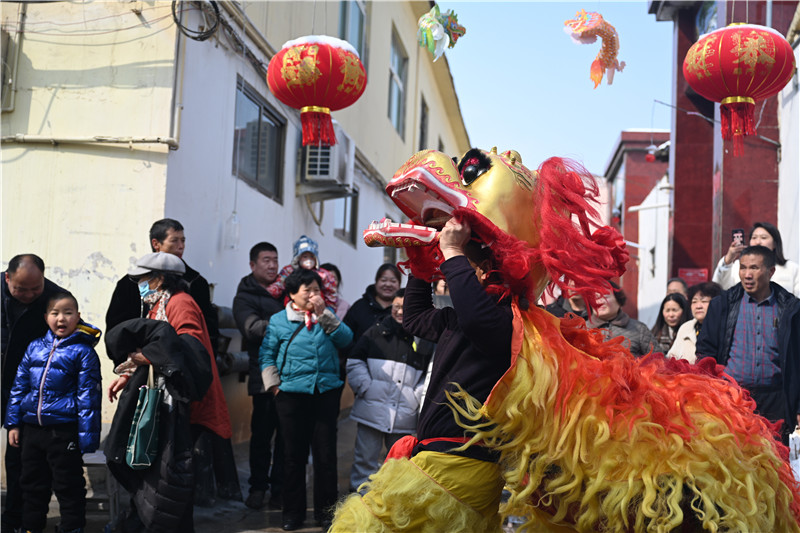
[561, 307]
[716, 337]
[474, 342]
[163, 492]
[127, 304]
[252, 307]
[362, 315]
[29, 326]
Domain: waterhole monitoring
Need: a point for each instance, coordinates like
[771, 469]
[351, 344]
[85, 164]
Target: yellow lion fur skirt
[432, 492]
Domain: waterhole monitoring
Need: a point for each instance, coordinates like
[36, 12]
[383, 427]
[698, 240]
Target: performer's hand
[116, 386]
[13, 437]
[454, 237]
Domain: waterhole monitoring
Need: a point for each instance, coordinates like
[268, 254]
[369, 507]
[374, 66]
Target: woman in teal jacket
[300, 366]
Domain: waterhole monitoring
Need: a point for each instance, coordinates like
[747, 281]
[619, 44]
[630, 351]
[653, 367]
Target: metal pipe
[21, 138]
[23, 10]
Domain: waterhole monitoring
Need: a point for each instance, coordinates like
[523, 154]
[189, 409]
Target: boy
[54, 414]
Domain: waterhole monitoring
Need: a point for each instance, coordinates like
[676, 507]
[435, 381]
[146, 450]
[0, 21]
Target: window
[352, 28]
[423, 125]
[440, 146]
[258, 142]
[345, 217]
[397, 85]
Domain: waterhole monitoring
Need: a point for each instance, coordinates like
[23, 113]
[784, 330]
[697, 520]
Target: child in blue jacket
[54, 414]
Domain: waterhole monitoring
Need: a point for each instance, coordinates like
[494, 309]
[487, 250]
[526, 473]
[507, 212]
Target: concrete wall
[789, 165]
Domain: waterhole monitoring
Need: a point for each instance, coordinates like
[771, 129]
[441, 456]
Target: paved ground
[231, 516]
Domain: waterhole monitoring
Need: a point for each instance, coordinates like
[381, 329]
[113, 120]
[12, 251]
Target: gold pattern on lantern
[754, 51]
[352, 80]
[698, 58]
[298, 70]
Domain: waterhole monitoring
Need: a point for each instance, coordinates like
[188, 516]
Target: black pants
[263, 426]
[309, 420]
[12, 514]
[771, 404]
[52, 462]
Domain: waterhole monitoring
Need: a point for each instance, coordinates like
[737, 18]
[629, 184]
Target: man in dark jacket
[252, 308]
[25, 293]
[166, 235]
[753, 329]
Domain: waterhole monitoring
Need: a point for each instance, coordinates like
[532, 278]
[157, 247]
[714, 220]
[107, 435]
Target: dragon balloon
[588, 437]
[585, 28]
[437, 31]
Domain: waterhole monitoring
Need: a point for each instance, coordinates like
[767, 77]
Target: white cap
[163, 261]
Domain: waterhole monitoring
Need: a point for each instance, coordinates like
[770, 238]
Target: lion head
[537, 223]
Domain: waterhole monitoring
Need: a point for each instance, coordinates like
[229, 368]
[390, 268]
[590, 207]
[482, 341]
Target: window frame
[398, 80]
[264, 108]
[345, 29]
[424, 117]
[348, 235]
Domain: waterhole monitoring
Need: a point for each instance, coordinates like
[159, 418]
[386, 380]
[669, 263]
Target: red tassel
[738, 120]
[317, 128]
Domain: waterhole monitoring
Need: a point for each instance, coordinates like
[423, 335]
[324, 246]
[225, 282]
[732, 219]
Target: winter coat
[253, 306]
[312, 362]
[163, 492]
[786, 275]
[184, 315]
[639, 339]
[58, 382]
[716, 337]
[18, 334]
[685, 342]
[363, 314]
[387, 376]
[127, 304]
[474, 343]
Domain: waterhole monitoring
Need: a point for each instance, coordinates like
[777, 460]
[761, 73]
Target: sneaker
[255, 500]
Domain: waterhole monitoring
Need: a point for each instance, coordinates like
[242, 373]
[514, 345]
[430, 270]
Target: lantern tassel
[738, 120]
[317, 126]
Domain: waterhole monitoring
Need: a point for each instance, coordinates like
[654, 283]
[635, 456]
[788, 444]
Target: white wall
[789, 166]
[653, 269]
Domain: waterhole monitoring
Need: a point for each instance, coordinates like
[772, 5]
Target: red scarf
[310, 317]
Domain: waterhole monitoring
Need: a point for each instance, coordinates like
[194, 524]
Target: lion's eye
[473, 165]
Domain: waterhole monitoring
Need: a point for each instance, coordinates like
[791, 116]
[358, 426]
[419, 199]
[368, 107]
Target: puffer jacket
[639, 339]
[387, 375]
[312, 361]
[58, 381]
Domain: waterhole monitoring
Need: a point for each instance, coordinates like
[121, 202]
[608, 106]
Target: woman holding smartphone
[787, 273]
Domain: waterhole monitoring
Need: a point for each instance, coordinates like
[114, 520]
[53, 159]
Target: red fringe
[738, 120]
[317, 129]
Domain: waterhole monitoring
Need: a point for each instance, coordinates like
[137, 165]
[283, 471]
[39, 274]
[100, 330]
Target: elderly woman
[700, 296]
[614, 322]
[158, 276]
[300, 366]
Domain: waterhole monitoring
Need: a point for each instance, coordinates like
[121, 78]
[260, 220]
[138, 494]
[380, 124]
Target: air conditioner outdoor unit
[329, 165]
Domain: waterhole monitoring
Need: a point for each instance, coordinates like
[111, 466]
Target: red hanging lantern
[737, 65]
[317, 74]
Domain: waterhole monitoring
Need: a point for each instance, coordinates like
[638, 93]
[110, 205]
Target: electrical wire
[196, 34]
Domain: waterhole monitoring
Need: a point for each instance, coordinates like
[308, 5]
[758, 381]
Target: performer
[588, 437]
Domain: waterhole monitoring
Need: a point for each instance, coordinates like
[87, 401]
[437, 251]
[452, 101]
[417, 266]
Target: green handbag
[142, 448]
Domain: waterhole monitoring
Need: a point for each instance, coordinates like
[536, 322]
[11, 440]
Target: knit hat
[158, 261]
[304, 244]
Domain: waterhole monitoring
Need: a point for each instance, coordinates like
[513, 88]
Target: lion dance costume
[585, 436]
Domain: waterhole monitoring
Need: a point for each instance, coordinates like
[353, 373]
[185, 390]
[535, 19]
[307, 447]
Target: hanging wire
[196, 34]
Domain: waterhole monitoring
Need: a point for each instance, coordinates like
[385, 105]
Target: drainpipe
[13, 96]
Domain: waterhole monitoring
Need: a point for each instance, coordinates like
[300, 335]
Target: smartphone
[737, 236]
